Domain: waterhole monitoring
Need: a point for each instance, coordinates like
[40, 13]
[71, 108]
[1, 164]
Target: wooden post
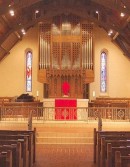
[95, 144]
[117, 159]
[99, 123]
[34, 142]
[102, 153]
[30, 121]
[109, 155]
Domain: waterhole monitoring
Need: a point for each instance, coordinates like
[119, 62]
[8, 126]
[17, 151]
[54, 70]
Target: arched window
[103, 72]
[28, 71]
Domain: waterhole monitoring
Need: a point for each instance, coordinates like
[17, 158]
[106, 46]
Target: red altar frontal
[65, 109]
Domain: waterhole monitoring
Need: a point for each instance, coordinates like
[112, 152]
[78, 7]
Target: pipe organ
[66, 55]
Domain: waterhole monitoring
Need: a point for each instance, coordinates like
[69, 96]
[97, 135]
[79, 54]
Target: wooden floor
[64, 154]
[68, 149]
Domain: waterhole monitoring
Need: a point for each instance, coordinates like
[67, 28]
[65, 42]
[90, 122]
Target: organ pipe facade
[66, 54]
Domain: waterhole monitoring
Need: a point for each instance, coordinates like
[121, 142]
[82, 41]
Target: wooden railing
[110, 102]
[22, 113]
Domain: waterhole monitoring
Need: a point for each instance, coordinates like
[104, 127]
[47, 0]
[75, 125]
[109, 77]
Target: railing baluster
[13, 113]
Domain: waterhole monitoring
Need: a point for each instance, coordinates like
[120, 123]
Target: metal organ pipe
[87, 42]
[43, 48]
[91, 54]
[89, 51]
[40, 52]
[40, 49]
[45, 54]
[88, 48]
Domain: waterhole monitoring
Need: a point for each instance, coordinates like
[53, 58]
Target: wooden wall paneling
[51, 51]
[88, 41]
[76, 86]
[72, 87]
[51, 86]
[55, 86]
[42, 76]
[89, 76]
[81, 56]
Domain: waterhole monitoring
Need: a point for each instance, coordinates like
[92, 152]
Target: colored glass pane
[29, 71]
[103, 74]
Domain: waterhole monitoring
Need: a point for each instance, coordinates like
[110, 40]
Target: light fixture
[23, 31]
[11, 12]
[122, 14]
[37, 14]
[110, 32]
[36, 11]
[97, 12]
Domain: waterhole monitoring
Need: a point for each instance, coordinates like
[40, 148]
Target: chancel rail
[18, 113]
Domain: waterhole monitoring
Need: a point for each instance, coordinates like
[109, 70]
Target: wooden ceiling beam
[122, 46]
[51, 10]
[16, 6]
[4, 6]
[112, 5]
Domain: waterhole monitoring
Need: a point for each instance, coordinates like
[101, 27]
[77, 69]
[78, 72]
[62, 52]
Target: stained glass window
[103, 73]
[29, 71]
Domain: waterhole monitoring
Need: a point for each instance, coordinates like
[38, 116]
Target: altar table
[65, 109]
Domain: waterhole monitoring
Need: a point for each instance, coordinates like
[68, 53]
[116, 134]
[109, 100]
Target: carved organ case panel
[66, 55]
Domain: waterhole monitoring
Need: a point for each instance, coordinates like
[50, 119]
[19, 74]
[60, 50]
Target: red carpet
[65, 109]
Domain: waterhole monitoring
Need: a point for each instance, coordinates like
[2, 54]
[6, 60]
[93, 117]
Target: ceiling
[104, 13]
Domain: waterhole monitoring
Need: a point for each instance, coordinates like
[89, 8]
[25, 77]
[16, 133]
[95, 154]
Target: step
[63, 137]
[63, 134]
[64, 140]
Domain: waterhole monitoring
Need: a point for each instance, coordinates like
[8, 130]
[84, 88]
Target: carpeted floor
[64, 155]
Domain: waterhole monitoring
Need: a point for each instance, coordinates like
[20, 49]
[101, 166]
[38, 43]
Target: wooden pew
[121, 161]
[108, 137]
[25, 145]
[114, 143]
[3, 160]
[110, 102]
[13, 149]
[111, 134]
[125, 151]
[31, 141]
[20, 145]
[6, 158]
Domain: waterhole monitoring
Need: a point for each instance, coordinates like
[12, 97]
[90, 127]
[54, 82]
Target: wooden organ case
[66, 55]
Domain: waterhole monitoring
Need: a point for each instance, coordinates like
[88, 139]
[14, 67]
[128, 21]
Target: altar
[65, 109]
